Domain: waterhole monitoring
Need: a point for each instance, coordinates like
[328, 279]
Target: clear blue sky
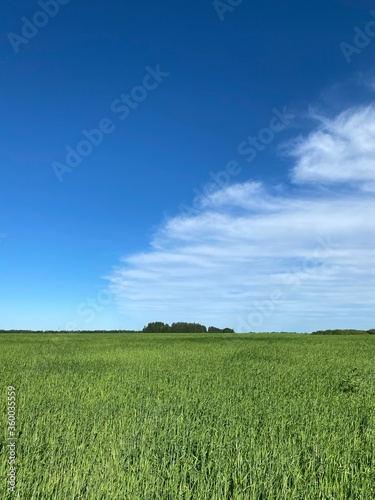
[128, 236]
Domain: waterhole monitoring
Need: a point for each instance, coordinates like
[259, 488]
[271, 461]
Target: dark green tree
[184, 327]
[156, 327]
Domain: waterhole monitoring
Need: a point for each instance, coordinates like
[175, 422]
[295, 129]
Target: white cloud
[255, 260]
[341, 150]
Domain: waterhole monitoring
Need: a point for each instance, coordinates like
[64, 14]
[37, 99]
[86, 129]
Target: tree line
[70, 331]
[345, 332]
[183, 327]
[155, 327]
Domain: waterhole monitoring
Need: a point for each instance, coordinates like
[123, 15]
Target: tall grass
[191, 416]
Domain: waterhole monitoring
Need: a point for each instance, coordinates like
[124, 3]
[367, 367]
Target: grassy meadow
[144, 416]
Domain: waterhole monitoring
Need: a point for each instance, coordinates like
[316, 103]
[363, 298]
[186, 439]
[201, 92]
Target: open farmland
[190, 416]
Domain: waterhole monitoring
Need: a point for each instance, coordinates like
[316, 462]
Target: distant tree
[157, 327]
[340, 332]
[183, 327]
[214, 329]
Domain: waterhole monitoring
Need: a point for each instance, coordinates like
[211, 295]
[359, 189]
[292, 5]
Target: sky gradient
[187, 161]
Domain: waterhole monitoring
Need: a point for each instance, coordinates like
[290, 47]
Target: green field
[190, 416]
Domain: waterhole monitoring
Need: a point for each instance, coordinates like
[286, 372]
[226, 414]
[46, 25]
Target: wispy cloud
[341, 150]
[250, 240]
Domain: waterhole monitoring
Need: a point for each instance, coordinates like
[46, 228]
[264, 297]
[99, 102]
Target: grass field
[190, 416]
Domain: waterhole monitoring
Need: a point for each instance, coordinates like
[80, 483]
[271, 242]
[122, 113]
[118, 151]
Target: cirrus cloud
[340, 150]
[313, 249]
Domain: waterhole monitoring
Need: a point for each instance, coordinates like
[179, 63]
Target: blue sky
[226, 173]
